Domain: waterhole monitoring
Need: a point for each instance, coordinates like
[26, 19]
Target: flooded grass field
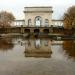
[20, 56]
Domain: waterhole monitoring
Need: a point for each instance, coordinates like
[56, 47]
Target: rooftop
[38, 9]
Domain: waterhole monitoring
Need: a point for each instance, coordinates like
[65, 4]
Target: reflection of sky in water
[57, 52]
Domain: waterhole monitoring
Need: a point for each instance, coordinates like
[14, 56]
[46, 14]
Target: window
[29, 22]
[46, 22]
[38, 21]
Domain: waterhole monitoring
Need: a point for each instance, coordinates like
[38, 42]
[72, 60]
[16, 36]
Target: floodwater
[20, 56]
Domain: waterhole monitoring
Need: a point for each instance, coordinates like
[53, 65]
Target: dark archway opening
[36, 31]
[46, 31]
[27, 30]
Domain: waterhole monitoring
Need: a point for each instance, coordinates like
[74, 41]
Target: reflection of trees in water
[5, 44]
[69, 47]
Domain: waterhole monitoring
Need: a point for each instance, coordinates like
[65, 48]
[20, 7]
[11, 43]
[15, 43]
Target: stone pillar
[22, 30]
[41, 30]
[31, 30]
[51, 30]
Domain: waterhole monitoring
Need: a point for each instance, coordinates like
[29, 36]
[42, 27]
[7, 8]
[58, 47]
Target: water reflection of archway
[38, 48]
[37, 43]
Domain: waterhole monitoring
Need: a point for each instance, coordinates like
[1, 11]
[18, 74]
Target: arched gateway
[38, 21]
[39, 16]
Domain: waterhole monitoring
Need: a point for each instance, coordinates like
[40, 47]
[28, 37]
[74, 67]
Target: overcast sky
[17, 6]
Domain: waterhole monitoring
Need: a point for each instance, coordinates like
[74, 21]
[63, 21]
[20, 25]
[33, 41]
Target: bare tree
[6, 18]
[69, 18]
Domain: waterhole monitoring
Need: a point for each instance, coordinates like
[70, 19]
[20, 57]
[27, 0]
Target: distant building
[57, 22]
[38, 17]
[18, 23]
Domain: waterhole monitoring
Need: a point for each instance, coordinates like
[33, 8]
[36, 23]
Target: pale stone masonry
[38, 17]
